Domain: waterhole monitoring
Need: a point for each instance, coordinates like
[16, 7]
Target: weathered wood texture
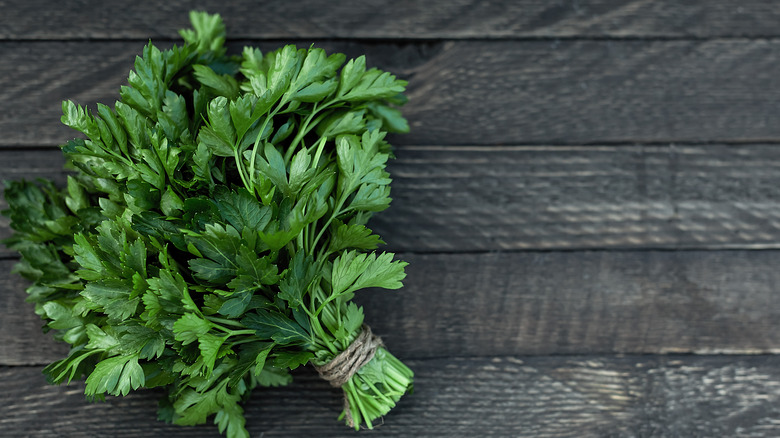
[41, 19]
[535, 304]
[552, 127]
[475, 92]
[460, 199]
[512, 198]
[587, 396]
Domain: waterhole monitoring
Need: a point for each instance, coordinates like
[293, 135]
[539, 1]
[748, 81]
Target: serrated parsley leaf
[242, 210]
[353, 271]
[292, 360]
[253, 272]
[146, 341]
[222, 85]
[190, 327]
[354, 236]
[297, 280]
[375, 84]
[99, 339]
[276, 326]
[115, 376]
[236, 305]
[112, 297]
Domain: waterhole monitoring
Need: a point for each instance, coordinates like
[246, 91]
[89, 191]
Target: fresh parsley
[213, 232]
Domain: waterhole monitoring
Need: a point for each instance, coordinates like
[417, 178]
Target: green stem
[270, 116]
[243, 341]
[330, 299]
[356, 419]
[371, 395]
[393, 373]
[336, 212]
[320, 148]
[240, 166]
[242, 332]
[128, 161]
[378, 393]
[361, 408]
[224, 321]
[305, 128]
[321, 335]
[299, 136]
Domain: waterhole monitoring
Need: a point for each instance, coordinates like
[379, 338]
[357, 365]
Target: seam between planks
[518, 145]
[414, 40]
[637, 357]
[661, 249]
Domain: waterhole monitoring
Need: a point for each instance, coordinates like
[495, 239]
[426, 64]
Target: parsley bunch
[214, 230]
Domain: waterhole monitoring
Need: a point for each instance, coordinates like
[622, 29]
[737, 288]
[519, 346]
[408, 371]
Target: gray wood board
[474, 92]
[461, 199]
[534, 304]
[42, 19]
[588, 396]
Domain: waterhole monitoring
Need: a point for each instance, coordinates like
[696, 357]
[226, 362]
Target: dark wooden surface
[574, 396]
[403, 19]
[507, 92]
[589, 200]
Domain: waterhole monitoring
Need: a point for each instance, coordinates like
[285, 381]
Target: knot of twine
[339, 370]
[360, 352]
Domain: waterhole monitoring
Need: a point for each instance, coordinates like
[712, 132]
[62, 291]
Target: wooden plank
[581, 302]
[475, 92]
[41, 19]
[537, 303]
[21, 340]
[460, 199]
[586, 396]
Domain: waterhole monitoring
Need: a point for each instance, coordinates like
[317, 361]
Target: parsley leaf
[214, 229]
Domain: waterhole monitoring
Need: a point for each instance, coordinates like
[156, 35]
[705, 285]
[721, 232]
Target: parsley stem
[378, 392]
[301, 132]
[241, 332]
[321, 335]
[359, 404]
[304, 129]
[243, 341]
[336, 212]
[224, 321]
[240, 166]
[320, 147]
[328, 300]
[269, 117]
[351, 400]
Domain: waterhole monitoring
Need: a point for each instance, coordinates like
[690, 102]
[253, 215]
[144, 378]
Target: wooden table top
[589, 201]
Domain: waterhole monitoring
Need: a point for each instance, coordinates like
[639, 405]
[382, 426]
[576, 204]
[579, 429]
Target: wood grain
[461, 199]
[475, 92]
[587, 396]
[581, 302]
[433, 19]
[536, 304]
[559, 150]
[21, 340]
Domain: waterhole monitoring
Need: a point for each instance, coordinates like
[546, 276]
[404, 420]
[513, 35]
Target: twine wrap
[339, 370]
[360, 352]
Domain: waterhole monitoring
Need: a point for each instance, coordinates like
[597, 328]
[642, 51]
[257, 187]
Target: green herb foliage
[214, 230]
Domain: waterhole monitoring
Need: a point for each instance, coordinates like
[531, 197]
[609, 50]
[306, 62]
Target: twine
[360, 352]
[339, 370]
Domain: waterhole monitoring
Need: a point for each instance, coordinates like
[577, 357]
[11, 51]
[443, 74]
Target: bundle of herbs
[213, 232]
